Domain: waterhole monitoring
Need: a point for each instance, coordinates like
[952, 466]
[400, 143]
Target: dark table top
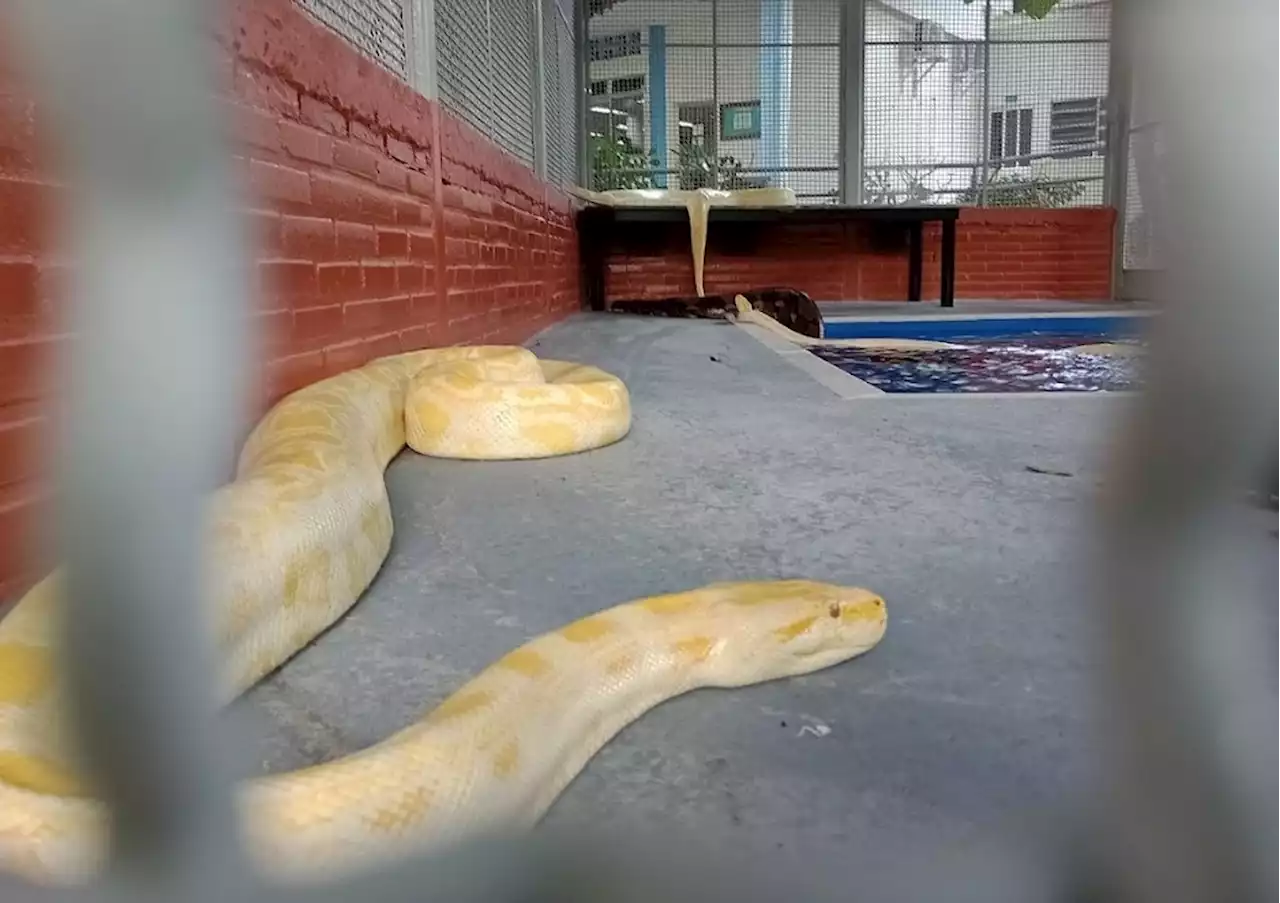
[803, 214]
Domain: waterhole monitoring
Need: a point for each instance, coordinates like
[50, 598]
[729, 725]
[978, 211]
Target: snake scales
[297, 537]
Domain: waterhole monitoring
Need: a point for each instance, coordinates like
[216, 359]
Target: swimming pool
[999, 354]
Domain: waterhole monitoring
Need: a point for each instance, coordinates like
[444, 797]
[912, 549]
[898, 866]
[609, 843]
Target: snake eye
[834, 609]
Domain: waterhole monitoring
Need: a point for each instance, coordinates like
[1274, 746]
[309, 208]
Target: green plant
[696, 170]
[1013, 190]
[618, 163]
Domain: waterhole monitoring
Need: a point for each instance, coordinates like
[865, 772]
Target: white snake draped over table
[698, 203]
[295, 540]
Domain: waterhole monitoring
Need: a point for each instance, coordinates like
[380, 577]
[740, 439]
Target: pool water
[1039, 358]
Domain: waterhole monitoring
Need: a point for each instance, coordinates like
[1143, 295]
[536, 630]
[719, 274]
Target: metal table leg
[915, 261]
[947, 291]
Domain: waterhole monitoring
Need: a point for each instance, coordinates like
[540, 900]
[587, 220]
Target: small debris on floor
[817, 730]
[1049, 471]
[714, 358]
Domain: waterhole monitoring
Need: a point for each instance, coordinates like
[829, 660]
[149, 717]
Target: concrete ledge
[823, 372]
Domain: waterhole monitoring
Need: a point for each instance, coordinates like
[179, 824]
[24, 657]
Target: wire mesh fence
[487, 55]
[463, 63]
[377, 27]
[485, 66]
[559, 67]
[978, 104]
[724, 94]
[967, 103]
[511, 41]
[961, 103]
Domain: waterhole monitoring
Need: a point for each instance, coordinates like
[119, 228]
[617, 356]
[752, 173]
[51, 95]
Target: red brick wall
[385, 224]
[1004, 253]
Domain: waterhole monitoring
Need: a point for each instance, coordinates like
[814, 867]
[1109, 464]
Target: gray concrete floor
[970, 716]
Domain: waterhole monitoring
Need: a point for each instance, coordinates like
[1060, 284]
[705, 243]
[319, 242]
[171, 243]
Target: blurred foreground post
[1189, 695]
[151, 396]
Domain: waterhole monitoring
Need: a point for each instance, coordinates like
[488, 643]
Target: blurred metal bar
[538, 81]
[421, 29]
[581, 88]
[412, 52]
[994, 42]
[672, 170]
[853, 27]
[1040, 183]
[985, 126]
[154, 388]
[715, 89]
[1005, 161]
[1115, 185]
[1189, 700]
[745, 45]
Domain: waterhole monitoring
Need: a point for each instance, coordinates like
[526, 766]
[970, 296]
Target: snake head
[782, 628]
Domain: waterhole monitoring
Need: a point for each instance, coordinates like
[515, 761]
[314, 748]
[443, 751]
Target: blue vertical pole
[776, 18]
[658, 99]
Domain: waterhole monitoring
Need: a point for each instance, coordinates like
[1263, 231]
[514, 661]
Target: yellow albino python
[298, 536]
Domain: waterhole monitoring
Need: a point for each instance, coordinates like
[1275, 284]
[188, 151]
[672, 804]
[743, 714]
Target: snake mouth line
[823, 653]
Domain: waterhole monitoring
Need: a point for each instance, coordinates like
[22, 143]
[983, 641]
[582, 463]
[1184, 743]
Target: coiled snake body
[295, 540]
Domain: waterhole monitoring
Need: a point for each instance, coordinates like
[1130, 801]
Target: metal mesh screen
[377, 27]
[730, 94]
[560, 111]
[511, 39]
[484, 66]
[463, 65]
[975, 104]
[567, 39]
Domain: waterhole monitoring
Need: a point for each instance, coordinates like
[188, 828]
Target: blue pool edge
[1120, 325]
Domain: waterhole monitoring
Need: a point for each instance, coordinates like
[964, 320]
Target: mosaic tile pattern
[1040, 363]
